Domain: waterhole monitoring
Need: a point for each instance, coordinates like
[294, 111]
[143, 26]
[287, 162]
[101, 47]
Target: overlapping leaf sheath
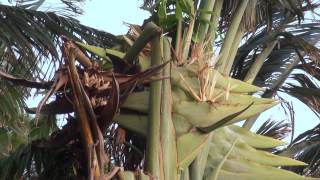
[190, 113]
[233, 155]
[206, 98]
[202, 107]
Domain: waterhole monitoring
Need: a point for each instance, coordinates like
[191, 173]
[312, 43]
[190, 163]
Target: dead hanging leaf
[120, 136]
[102, 158]
[104, 87]
[85, 117]
[127, 92]
[112, 173]
[120, 91]
[83, 84]
[80, 56]
[110, 110]
[86, 79]
[60, 79]
[125, 81]
[25, 82]
[142, 77]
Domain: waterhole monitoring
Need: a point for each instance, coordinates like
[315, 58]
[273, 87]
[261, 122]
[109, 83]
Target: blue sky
[111, 15]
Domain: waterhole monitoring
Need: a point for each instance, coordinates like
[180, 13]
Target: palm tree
[166, 107]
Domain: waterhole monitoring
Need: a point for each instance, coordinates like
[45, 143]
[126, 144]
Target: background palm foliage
[30, 43]
[275, 37]
[305, 147]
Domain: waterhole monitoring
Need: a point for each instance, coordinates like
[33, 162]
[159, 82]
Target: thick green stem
[233, 50]
[258, 62]
[211, 34]
[232, 31]
[148, 33]
[178, 45]
[206, 7]
[167, 135]
[185, 175]
[253, 72]
[153, 137]
[187, 40]
[214, 20]
[199, 164]
[250, 121]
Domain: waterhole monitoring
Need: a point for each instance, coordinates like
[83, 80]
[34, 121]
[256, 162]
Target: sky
[111, 15]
